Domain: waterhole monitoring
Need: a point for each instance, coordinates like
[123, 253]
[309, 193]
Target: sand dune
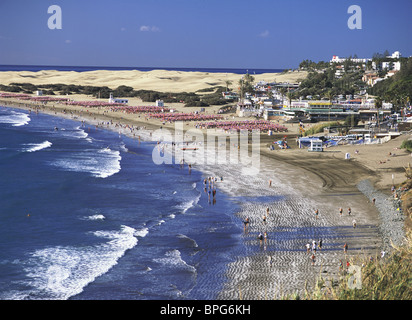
[159, 80]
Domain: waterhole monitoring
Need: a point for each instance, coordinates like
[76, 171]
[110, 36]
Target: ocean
[36, 68]
[85, 214]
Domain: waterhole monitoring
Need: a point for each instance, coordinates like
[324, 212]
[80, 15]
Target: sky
[261, 34]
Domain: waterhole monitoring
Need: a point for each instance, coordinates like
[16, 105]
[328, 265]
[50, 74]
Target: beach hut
[316, 145]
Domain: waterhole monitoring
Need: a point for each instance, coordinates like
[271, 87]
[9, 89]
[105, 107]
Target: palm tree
[290, 96]
[246, 85]
[283, 92]
[329, 94]
[228, 83]
[378, 106]
[241, 89]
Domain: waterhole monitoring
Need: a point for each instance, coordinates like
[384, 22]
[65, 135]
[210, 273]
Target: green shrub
[407, 144]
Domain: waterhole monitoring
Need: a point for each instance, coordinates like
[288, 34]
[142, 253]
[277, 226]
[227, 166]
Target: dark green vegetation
[396, 89]
[322, 80]
[326, 80]
[407, 144]
[202, 98]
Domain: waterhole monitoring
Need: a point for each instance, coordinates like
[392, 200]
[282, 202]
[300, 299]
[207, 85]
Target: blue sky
[199, 33]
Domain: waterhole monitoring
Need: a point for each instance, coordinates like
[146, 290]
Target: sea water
[86, 214]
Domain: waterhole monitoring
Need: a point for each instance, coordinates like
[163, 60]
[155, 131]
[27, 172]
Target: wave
[174, 259]
[33, 147]
[189, 204]
[142, 232]
[191, 242]
[102, 163]
[80, 133]
[111, 164]
[76, 132]
[16, 119]
[123, 148]
[96, 217]
[59, 273]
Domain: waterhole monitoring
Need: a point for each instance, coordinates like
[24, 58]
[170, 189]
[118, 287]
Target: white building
[395, 55]
[112, 100]
[336, 59]
[395, 65]
[160, 103]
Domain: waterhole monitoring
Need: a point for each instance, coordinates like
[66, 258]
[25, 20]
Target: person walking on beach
[340, 211]
[267, 210]
[314, 246]
[260, 237]
[246, 224]
[307, 248]
[265, 236]
[345, 248]
[270, 260]
[313, 258]
[264, 219]
[354, 223]
[320, 244]
[316, 213]
[349, 211]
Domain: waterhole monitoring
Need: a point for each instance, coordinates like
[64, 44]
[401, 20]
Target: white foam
[102, 163]
[123, 148]
[194, 243]
[76, 132]
[188, 204]
[96, 217]
[59, 273]
[80, 133]
[142, 232]
[174, 259]
[111, 164]
[33, 147]
[16, 119]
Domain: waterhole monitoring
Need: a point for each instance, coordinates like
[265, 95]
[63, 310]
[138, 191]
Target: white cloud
[149, 28]
[264, 34]
[68, 41]
[122, 29]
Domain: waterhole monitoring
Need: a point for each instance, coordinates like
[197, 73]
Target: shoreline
[251, 277]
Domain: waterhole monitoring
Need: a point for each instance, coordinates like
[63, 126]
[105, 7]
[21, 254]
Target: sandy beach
[290, 185]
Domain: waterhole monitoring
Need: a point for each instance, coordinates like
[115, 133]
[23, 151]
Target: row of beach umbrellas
[139, 109]
[175, 116]
[262, 125]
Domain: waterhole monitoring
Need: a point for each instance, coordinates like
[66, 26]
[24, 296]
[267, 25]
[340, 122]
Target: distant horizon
[8, 67]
